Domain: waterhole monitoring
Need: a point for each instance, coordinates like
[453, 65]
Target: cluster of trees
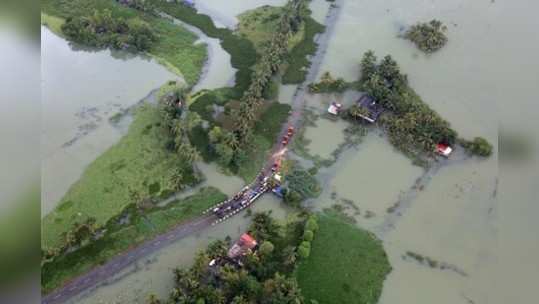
[180, 124]
[101, 29]
[80, 233]
[265, 277]
[328, 84]
[311, 226]
[478, 146]
[224, 144]
[412, 126]
[269, 63]
[300, 185]
[428, 37]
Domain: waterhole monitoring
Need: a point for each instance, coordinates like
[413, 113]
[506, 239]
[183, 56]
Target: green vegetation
[266, 274]
[412, 125]
[328, 84]
[105, 23]
[299, 185]
[152, 161]
[428, 37]
[260, 24]
[346, 265]
[298, 64]
[269, 64]
[123, 172]
[242, 52]
[102, 30]
[53, 23]
[129, 228]
[479, 146]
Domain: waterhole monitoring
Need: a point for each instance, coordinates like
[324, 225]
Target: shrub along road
[106, 271]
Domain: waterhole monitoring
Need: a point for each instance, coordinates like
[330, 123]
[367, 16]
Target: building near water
[373, 109]
[246, 244]
[334, 108]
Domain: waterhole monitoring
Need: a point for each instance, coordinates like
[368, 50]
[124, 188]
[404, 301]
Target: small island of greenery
[428, 36]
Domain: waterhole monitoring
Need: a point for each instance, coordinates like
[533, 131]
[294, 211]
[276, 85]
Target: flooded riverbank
[454, 218]
[81, 90]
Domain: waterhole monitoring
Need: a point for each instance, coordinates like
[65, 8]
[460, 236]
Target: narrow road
[121, 261]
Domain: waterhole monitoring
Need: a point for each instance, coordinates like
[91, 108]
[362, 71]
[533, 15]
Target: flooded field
[81, 89]
[454, 220]
[224, 13]
[153, 274]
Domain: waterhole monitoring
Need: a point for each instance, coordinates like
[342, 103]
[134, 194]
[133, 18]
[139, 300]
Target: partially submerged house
[334, 108]
[373, 110]
[443, 149]
[246, 244]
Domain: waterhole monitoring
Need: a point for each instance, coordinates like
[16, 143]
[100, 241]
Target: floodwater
[154, 274]
[455, 217]
[218, 71]
[81, 90]
[224, 13]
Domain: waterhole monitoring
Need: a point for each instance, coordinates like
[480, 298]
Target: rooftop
[374, 109]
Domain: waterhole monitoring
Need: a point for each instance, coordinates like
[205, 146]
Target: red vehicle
[290, 131]
[443, 149]
[285, 141]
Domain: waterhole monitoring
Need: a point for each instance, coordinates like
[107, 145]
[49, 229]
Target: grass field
[242, 52]
[141, 227]
[297, 58]
[260, 24]
[137, 162]
[346, 265]
[174, 48]
[53, 23]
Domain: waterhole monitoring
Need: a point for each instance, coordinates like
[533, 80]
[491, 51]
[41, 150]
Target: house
[242, 247]
[443, 149]
[334, 108]
[373, 110]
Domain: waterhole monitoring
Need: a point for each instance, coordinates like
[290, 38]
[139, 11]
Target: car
[290, 131]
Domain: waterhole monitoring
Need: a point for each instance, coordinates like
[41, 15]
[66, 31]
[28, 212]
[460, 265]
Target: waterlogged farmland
[389, 231]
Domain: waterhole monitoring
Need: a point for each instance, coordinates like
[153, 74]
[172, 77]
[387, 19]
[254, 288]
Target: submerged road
[102, 273]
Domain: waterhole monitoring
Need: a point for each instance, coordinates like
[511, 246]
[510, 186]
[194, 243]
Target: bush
[311, 224]
[479, 146]
[304, 251]
[328, 84]
[266, 248]
[308, 235]
[428, 37]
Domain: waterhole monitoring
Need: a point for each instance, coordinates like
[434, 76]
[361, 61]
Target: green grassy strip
[346, 265]
[138, 160]
[297, 58]
[53, 23]
[175, 47]
[242, 52]
[142, 226]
